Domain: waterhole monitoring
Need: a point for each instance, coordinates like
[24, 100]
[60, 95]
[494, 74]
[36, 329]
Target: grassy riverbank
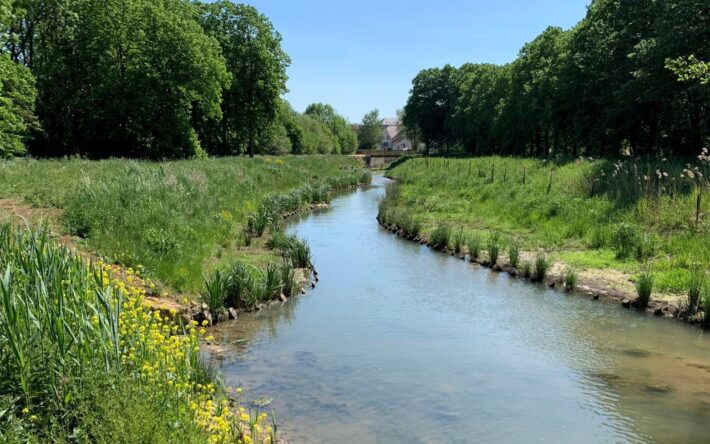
[177, 219]
[587, 214]
[84, 360]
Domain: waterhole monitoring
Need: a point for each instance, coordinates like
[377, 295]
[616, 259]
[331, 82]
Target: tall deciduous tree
[346, 138]
[124, 77]
[370, 133]
[257, 64]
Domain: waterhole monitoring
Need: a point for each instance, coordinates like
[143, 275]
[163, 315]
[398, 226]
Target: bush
[493, 248]
[570, 279]
[541, 266]
[474, 246]
[440, 236]
[646, 247]
[644, 288]
[626, 240]
[698, 280]
[514, 255]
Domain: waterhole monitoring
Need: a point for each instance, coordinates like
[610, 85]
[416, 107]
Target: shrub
[440, 236]
[514, 255]
[644, 288]
[474, 246]
[541, 266]
[695, 287]
[257, 223]
[570, 279]
[493, 248]
[626, 240]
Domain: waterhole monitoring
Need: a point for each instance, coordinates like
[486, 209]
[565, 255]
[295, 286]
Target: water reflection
[401, 344]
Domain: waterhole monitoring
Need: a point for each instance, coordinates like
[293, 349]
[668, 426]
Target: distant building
[392, 137]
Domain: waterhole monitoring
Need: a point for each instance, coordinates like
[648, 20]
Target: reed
[440, 236]
[570, 279]
[541, 266]
[644, 288]
[514, 254]
[698, 280]
[474, 246]
[493, 248]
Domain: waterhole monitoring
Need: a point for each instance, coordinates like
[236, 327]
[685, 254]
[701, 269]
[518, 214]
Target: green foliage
[174, 217]
[542, 264]
[244, 286]
[474, 245]
[630, 77]
[527, 269]
[370, 132]
[257, 66]
[644, 288]
[459, 240]
[345, 138]
[124, 78]
[17, 101]
[698, 280]
[705, 301]
[493, 247]
[514, 254]
[440, 236]
[626, 240]
[570, 279]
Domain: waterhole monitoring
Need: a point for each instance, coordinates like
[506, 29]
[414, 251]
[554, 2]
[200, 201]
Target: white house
[392, 138]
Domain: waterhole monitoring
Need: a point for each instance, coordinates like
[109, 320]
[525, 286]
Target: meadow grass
[636, 209]
[179, 219]
[82, 358]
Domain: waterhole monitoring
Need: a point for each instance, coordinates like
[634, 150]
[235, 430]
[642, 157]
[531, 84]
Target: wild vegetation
[177, 219]
[587, 213]
[630, 77]
[151, 79]
[79, 350]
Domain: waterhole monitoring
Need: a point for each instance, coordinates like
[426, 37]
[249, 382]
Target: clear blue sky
[359, 55]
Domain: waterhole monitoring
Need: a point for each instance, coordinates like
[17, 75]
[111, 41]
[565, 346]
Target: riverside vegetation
[85, 360]
[640, 216]
[74, 328]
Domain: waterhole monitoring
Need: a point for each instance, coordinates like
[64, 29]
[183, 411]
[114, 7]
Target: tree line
[151, 79]
[631, 77]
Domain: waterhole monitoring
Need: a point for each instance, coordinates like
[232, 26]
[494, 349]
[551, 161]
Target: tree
[370, 133]
[257, 64]
[17, 93]
[124, 77]
[338, 125]
[430, 105]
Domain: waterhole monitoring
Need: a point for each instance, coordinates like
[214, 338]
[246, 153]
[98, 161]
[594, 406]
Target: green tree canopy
[370, 133]
[257, 64]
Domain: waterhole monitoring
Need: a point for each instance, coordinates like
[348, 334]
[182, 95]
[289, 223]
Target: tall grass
[589, 208]
[493, 248]
[459, 240]
[705, 302]
[570, 279]
[698, 280]
[644, 288]
[173, 217]
[514, 254]
[83, 360]
[440, 236]
[542, 264]
[474, 246]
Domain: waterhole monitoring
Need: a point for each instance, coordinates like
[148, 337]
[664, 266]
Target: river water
[401, 344]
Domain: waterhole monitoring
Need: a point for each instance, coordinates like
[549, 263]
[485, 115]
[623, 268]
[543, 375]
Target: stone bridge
[378, 159]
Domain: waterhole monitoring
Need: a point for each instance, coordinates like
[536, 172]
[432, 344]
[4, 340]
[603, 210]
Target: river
[401, 344]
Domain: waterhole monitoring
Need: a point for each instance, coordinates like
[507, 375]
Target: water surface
[402, 344]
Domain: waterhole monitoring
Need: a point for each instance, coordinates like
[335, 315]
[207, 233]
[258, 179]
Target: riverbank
[587, 218]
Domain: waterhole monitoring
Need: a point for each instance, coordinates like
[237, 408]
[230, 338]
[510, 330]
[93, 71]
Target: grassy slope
[175, 218]
[579, 228]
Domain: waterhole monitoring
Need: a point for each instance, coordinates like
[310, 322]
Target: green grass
[82, 360]
[591, 216]
[178, 219]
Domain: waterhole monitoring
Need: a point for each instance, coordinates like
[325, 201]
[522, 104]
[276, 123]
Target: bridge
[378, 159]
